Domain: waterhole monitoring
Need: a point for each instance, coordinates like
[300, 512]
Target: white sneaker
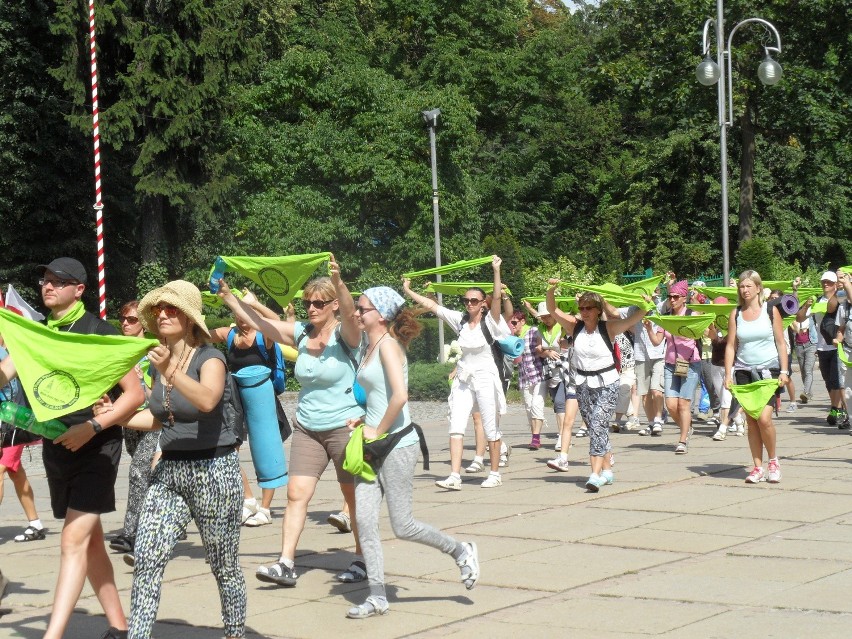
[450, 483]
[719, 435]
[559, 464]
[793, 407]
[492, 481]
[738, 427]
[558, 446]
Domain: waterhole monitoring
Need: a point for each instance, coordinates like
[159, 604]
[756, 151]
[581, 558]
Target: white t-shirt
[476, 353]
[591, 354]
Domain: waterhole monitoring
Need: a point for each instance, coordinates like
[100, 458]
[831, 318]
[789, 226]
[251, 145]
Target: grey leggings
[209, 491]
[395, 481]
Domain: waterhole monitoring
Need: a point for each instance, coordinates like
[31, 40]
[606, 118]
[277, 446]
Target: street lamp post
[710, 72]
[431, 119]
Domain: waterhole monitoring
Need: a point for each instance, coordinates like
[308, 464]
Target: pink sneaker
[773, 472]
[755, 476]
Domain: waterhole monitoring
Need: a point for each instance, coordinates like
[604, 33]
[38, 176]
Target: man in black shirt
[82, 463]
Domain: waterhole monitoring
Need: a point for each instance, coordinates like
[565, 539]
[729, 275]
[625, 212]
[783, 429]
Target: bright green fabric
[691, 326]
[214, 301]
[646, 287]
[354, 462]
[718, 291]
[722, 312]
[841, 353]
[456, 288]
[614, 294]
[449, 268]
[77, 311]
[64, 372]
[565, 304]
[281, 276]
[819, 307]
[754, 397]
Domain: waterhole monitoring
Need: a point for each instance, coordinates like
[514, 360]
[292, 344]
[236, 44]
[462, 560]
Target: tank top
[756, 342]
[375, 383]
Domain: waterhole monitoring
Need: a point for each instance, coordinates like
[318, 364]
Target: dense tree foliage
[580, 142]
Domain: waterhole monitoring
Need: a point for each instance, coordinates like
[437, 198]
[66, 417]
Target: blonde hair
[321, 285]
[754, 277]
[594, 298]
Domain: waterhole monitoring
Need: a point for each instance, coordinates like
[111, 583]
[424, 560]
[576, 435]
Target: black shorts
[829, 367]
[83, 481]
[741, 378]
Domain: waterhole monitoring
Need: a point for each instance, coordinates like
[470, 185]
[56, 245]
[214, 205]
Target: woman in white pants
[477, 384]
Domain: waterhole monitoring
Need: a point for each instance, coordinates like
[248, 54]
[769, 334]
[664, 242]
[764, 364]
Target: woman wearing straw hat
[756, 348]
[198, 476]
[328, 349]
[383, 373]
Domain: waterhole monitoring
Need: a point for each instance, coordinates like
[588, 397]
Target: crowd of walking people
[175, 411]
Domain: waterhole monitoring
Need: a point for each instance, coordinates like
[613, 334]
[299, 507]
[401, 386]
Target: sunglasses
[363, 309]
[317, 304]
[472, 300]
[130, 319]
[168, 309]
[588, 308]
[675, 297]
[515, 322]
[57, 285]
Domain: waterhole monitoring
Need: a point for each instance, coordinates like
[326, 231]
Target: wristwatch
[787, 373]
[96, 426]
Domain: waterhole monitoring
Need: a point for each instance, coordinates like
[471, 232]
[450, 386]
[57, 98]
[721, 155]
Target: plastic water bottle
[23, 418]
[219, 268]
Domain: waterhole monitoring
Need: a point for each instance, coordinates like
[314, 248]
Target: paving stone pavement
[679, 547]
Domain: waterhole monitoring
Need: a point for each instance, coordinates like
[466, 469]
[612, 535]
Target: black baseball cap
[67, 268]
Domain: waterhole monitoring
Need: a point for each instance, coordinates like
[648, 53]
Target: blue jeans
[682, 387]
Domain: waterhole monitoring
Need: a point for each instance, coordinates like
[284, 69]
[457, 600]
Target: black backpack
[615, 349]
[828, 326]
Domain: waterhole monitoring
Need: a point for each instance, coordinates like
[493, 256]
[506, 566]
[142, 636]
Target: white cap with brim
[542, 309]
[829, 276]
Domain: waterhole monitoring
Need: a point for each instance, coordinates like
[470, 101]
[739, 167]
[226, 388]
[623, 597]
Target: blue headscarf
[386, 300]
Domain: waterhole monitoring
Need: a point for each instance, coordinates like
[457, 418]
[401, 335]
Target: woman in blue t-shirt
[329, 347]
[383, 373]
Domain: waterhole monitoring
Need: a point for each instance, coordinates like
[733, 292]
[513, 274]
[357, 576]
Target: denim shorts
[682, 387]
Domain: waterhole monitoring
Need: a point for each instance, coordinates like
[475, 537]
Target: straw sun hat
[182, 295]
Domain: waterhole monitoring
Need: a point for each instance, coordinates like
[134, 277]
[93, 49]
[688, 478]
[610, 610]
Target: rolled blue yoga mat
[511, 346]
[267, 449]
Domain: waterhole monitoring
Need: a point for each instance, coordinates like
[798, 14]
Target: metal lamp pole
[710, 72]
[431, 119]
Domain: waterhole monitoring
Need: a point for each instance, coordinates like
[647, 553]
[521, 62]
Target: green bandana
[691, 326]
[564, 304]
[456, 288]
[722, 312]
[280, 277]
[449, 268]
[65, 372]
[644, 286]
[77, 311]
[754, 397]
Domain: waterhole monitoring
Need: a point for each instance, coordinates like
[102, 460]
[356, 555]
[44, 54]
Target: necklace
[370, 352]
[167, 390]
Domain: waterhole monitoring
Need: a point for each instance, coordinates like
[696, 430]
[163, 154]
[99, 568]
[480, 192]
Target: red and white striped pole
[99, 207]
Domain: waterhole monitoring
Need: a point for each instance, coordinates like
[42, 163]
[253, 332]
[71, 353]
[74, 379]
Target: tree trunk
[153, 236]
[747, 171]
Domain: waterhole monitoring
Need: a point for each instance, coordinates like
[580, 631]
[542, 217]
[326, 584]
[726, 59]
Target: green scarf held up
[754, 397]
[456, 288]
[62, 372]
[564, 304]
[449, 268]
[690, 326]
[280, 276]
[647, 286]
[77, 311]
[614, 294]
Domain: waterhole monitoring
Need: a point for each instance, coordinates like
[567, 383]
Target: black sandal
[356, 572]
[31, 534]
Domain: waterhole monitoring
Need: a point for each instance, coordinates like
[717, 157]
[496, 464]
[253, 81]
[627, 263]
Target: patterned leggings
[140, 476]
[210, 492]
[596, 407]
[395, 481]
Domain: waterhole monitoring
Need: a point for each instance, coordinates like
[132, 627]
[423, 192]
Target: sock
[456, 475]
[36, 523]
[287, 562]
[459, 551]
[536, 438]
[774, 459]
[479, 459]
[563, 456]
[250, 502]
[495, 473]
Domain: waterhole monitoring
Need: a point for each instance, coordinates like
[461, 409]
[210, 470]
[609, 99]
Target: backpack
[828, 326]
[615, 349]
[278, 375]
[504, 363]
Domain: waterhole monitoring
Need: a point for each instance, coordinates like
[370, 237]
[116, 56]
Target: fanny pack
[365, 458]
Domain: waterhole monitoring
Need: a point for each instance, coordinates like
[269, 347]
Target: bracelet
[95, 425]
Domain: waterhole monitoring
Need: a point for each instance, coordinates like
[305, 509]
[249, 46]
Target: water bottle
[219, 268]
[23, 418]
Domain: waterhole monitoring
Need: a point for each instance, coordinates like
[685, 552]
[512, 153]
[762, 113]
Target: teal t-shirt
[324, 403]
[372, 377]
